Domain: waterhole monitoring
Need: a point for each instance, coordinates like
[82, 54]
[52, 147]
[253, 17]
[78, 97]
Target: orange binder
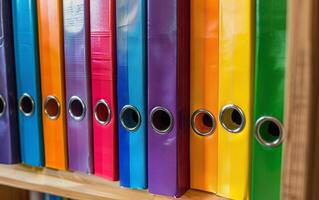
[52, 79]
[204, 94]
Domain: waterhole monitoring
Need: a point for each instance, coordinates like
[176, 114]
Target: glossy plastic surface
[52, 80]
[168, 87]
[235, 87]
[9, 137]
[204, 92]
[25, 26]
[269, 94]
[76, 19]
[104, 86]
[131, 87]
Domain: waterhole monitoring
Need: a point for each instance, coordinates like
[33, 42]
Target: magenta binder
[78, 84]
[9, 140]
[168, 96]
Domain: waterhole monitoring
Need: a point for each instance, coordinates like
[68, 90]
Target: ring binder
[26, 105]
[103, 69]
[269, 99]
[9, 137]
[168, 97]
[122, 18]
[132, 92]
[76, 19]
[52, 82]
[204, 67]
[25, 27]
[235, 98]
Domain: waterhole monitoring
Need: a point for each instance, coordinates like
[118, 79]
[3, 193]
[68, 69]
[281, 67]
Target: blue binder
[131, 87]
[28, 81]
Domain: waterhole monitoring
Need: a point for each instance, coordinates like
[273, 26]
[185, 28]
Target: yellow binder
[204, 94]
[235, 98]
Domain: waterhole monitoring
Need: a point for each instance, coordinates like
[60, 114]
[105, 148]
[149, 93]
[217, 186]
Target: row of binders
[161, 94]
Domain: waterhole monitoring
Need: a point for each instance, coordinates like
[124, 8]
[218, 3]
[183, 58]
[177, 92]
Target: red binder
[103, 88]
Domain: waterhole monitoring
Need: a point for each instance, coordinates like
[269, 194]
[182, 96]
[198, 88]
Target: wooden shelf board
[79, 186]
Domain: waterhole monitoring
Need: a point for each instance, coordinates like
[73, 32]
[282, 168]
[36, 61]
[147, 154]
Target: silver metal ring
[123, 121]
[108, 119]
[166, 111]
[21, 106]
[49, 98]
[225, 125]
[193, 122]
[3, 102]
[71, 112]
[259, 136]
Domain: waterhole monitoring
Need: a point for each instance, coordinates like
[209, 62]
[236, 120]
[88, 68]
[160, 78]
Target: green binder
[269, 99]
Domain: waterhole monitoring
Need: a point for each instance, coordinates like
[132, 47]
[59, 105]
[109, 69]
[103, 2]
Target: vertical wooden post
[301, 154]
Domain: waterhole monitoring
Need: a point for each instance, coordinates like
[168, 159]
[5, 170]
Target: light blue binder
[131, 88]
[28, 81]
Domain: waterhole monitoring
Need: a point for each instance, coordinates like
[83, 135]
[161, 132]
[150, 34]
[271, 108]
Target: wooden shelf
[79, 186]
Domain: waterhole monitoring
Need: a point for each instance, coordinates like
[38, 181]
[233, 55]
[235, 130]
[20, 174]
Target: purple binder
[78, 84]
[9, 141]
[168, 96]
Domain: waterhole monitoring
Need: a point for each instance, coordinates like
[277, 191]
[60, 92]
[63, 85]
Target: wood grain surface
[79, 186]
[301, 155]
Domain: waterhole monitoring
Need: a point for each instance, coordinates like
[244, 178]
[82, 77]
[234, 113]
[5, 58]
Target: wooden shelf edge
[79, 186]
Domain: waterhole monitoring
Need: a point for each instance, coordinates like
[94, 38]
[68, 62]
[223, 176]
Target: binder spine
[204, 94]
[103, 87]
[138, 93]
[235, 99]
[123, 90]
[52, 82]
[168, 96]
[269, 99]
[28, 81]
[9, 148]
[78, 84]
[131, 84]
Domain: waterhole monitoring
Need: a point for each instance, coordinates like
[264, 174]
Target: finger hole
[269, 131]
[203, 122]
[52, 107]
[2, 105]
[102, 112]
[130, 118]
[26, 105]
[77, 108]
[161, 120]
[232, 119]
